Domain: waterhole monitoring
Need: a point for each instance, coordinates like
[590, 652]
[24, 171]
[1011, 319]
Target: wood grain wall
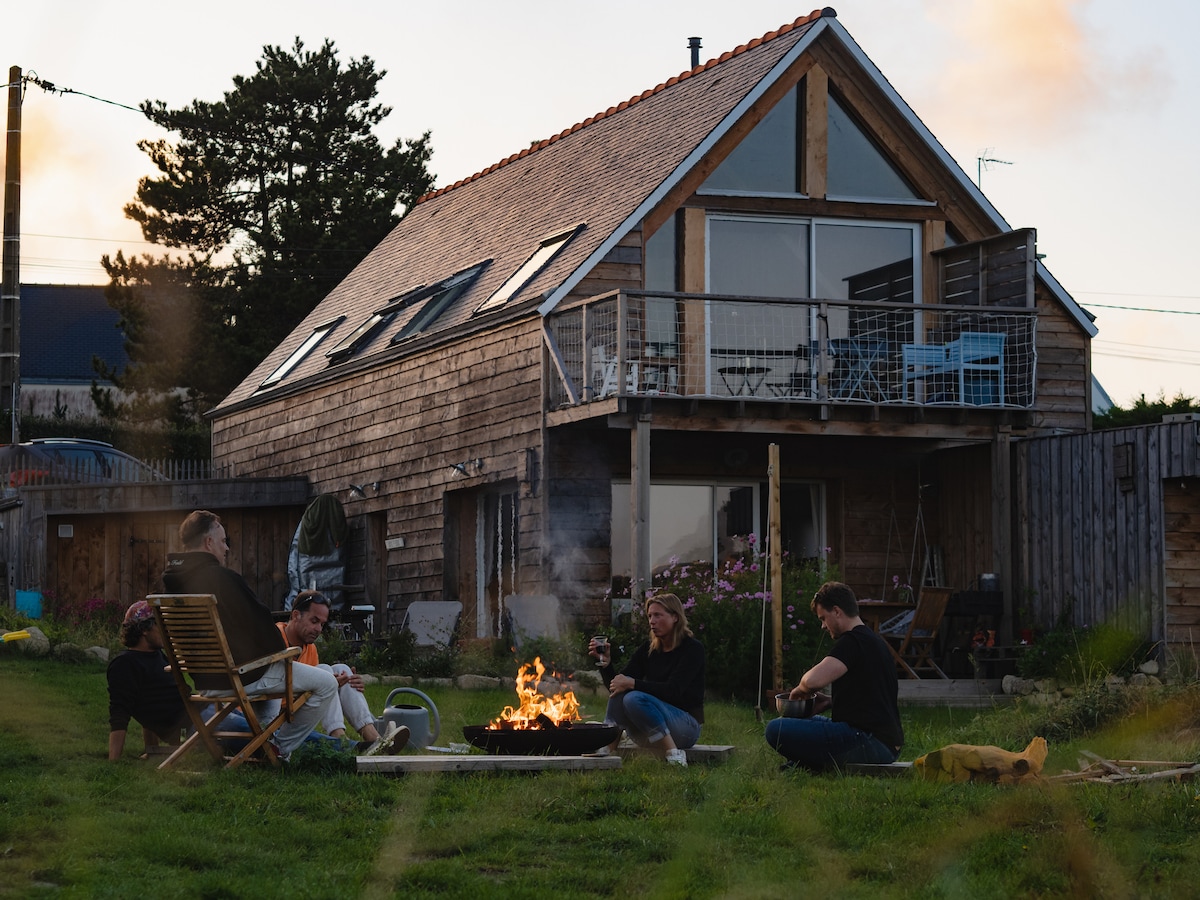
[1094, 538]
[404, 425]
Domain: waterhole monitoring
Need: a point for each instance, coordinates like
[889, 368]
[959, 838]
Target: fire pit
[572, 740]
[540, 725]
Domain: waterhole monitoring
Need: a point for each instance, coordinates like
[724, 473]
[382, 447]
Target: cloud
[1034, 71]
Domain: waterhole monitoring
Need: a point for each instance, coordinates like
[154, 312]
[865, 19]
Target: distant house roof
[62, 327]
[596, 180]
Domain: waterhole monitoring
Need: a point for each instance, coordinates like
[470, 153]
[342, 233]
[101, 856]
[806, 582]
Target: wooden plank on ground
[478, 762]
[877, 770]
[707, 753]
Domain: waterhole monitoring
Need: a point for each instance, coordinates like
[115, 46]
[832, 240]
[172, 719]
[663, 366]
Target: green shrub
[392, 655]
[1079, 655]
[96, 620]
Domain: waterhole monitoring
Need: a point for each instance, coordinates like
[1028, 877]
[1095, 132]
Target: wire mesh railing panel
[794, 350]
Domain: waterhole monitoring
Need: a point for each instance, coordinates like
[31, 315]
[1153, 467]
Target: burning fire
[536, 710]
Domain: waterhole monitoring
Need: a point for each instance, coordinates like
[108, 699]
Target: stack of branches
[1122, 771]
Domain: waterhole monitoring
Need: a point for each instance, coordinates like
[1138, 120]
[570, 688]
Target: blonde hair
[673, 605]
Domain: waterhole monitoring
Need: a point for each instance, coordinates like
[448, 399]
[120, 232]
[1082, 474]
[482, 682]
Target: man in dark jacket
[248, 625]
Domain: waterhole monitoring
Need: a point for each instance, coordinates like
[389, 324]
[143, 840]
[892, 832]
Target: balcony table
[746, 379]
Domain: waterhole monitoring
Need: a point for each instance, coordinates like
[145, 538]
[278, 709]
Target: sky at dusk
[1092, 105]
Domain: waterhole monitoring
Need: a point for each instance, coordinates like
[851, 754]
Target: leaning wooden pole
[773, 543]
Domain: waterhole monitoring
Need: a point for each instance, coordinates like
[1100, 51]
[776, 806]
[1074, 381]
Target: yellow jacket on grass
[967, 762]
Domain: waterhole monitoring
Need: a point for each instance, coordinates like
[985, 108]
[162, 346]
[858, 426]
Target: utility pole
[10, 289]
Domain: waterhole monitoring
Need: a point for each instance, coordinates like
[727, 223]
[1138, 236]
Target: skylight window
[363, 334]
[548, 249]
[437, 300]
[310, 342]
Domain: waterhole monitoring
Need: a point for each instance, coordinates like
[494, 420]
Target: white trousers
[349, 706]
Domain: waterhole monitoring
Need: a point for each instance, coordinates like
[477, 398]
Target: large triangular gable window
[546, 251]
[437, 300]
[858, 169]
[767, 159]
[283, 369]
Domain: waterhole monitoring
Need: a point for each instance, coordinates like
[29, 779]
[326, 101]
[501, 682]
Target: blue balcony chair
[978, 358]
[921, 361]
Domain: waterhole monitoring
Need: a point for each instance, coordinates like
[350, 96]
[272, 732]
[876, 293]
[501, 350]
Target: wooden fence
[1108, 530]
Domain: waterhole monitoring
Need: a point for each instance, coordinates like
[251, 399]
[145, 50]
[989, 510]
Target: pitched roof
[604, 173]
[595, 173]
[62, 327]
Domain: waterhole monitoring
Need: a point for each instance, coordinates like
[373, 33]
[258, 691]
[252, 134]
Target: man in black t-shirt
[864, 723]
[140, 687]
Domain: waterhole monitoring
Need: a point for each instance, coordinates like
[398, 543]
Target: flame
[560, 709]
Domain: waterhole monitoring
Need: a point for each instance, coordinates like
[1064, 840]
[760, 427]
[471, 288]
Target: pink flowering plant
[725, 612]
[97, 618]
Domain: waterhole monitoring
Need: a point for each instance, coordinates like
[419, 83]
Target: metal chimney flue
[694, 46]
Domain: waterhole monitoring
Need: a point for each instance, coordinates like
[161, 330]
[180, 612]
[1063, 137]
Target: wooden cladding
[997, 271]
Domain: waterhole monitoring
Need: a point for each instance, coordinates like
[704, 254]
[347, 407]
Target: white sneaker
[383, 745]
[677, 757]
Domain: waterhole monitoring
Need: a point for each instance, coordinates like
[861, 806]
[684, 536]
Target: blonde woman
[658, 698]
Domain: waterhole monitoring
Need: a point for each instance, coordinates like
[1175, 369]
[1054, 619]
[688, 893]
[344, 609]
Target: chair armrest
[263, 661]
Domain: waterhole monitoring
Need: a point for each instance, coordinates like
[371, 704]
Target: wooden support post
[1002, 528]
[774, 541]
[639, 485]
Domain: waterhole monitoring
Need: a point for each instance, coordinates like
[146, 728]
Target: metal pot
[794, 709]
[415, 718]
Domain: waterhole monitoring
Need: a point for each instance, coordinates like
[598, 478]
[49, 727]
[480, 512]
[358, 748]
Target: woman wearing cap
[141, 688]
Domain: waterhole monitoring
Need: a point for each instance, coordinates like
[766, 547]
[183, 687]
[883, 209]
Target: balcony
[639, 344]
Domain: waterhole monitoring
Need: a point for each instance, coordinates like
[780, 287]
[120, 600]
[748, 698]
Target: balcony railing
[627, 344]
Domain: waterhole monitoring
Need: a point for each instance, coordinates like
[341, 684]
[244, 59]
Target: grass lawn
[74, 825]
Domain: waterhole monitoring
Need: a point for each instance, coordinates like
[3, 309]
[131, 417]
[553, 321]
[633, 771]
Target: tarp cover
[317, 558]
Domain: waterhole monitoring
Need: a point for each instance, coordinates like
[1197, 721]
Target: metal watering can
[416, 718]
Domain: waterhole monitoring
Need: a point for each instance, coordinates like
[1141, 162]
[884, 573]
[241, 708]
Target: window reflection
[697, 523]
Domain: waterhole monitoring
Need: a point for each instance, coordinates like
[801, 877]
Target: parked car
[70, 461]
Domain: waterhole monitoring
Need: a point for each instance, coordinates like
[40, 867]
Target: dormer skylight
[437, 299]
[281, 371]
[545, 252]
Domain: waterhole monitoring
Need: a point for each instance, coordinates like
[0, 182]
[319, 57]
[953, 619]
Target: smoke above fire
[1033, 71]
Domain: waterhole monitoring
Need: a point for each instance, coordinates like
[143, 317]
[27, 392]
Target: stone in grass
[37, 644]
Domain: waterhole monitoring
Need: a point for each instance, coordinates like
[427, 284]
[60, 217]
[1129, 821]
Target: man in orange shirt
[310, 613]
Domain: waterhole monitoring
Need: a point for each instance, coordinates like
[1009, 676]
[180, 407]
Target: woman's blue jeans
[648, 720]
[819, 743]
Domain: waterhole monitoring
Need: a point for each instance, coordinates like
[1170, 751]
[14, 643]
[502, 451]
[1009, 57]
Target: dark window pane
[857, 167]
[765, 160]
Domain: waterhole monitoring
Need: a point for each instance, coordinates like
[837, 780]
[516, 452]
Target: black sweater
[140, 688]
[676, 678]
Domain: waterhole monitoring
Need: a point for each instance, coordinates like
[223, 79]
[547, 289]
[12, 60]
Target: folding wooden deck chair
[914, 647]
[195, 644]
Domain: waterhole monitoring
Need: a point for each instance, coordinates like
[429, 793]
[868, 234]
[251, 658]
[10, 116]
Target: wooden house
[560, 373]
